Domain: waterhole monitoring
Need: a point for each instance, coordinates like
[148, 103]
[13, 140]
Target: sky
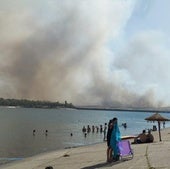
[113, 53]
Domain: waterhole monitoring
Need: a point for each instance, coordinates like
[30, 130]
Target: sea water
[18, 141]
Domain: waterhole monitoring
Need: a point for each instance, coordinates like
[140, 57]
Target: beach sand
[146, 156]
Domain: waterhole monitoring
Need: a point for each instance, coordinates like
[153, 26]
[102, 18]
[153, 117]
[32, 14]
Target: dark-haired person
[115, 138]
[141, 138]
[109, 149]
[149, 137]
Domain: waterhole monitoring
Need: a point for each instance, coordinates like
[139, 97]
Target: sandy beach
[146, 156]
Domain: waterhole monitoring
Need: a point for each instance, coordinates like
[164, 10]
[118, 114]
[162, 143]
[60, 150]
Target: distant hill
[33, 104]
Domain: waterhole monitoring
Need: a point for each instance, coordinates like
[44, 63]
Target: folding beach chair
[125, 149]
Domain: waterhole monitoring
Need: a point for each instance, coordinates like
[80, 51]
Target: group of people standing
[113, 137]
[97, 129]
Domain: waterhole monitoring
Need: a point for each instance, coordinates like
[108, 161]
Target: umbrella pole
[159, 128]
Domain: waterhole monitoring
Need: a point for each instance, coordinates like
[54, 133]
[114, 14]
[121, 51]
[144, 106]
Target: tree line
[34, 104]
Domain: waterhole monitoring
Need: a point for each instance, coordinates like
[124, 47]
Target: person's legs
[109, 154]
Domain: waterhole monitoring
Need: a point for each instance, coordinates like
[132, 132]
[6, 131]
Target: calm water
[17, 124]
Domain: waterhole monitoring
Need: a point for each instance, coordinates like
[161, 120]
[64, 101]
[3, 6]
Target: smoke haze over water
[77, 51]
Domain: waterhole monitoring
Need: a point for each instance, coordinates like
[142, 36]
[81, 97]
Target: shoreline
[94, 156]
[149, 110]
[6, 160]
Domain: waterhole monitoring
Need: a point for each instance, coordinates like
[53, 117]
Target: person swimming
[33, 132]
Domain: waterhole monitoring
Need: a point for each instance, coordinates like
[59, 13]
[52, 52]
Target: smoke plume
[62, 50]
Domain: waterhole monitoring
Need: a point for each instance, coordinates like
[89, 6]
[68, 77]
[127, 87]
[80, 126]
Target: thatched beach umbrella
[157, 117]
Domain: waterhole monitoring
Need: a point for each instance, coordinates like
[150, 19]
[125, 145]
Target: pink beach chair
[125, 149]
